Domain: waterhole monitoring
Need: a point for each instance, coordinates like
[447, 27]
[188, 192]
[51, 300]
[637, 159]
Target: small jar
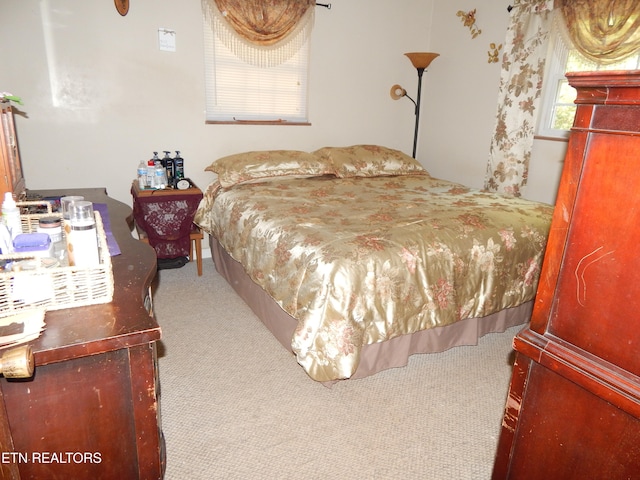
[52, 226]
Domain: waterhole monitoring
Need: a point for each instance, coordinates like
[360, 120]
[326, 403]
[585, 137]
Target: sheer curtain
[261, 33]
[523, 62]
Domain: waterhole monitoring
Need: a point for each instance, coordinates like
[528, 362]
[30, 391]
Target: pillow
[369, 161]
[261, 165]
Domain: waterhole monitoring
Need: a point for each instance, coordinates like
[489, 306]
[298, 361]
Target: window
[558, 109]
[239, 92]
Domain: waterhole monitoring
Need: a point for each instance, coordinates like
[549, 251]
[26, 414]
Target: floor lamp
[420, 60]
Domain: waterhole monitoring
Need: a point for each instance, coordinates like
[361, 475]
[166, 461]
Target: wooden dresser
[92, 409]
[573, 408]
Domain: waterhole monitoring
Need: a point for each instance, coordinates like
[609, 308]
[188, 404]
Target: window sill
[551, 139]
[256, 122]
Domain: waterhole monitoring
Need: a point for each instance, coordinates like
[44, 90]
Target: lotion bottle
[178, 163]
[11, 215]
[83, 239]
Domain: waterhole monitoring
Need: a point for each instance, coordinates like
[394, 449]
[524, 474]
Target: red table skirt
[167, 220]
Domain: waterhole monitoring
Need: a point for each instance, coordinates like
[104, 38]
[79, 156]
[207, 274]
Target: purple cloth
[114, 248]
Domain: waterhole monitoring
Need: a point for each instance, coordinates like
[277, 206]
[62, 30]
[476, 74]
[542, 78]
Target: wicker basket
[54, 288]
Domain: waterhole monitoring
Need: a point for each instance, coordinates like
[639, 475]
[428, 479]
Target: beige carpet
[236, 405]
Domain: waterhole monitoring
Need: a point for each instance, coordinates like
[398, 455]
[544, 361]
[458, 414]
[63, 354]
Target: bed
[356, 258]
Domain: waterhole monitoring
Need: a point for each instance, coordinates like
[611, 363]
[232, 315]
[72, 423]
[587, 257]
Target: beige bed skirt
[378, 356]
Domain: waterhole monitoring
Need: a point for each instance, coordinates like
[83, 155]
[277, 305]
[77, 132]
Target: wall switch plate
[167, 40]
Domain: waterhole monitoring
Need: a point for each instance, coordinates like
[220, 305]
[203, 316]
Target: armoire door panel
[597, 305]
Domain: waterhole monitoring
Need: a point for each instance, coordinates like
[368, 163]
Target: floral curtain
[603, 30]
[261, 32]
[520, 88]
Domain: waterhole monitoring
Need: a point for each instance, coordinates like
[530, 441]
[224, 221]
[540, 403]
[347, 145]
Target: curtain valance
[605, 31]
[261, 32]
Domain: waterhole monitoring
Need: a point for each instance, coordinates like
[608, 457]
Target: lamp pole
[420, 60]
[415, 134]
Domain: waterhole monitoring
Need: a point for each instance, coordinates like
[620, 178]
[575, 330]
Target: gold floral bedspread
[362, 260]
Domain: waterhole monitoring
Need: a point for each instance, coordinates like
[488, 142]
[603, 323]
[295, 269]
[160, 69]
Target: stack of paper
[21, 327]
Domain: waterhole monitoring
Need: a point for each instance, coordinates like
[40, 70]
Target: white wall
[461, 116]
[100, 96]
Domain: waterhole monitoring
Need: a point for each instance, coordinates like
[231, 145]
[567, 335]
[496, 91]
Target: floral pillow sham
[258, 166]
[369, 161]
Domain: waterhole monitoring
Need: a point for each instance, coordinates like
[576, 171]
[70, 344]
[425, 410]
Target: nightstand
[164, 219]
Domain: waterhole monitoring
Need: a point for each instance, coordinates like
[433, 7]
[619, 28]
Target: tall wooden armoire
[573, 408]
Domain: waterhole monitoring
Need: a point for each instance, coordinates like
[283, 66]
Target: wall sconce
[420, 60]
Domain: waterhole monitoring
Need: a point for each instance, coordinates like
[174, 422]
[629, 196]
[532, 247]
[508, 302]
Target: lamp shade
[397, 92]
[422, 59]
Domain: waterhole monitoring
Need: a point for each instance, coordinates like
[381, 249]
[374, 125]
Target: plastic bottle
[142, 175]
[164, 159]
[83, 238]
[179, 166]
[169, 166]
[11, 215]
[160, 178]
[151, 172]
[151, 169]
[6, 244]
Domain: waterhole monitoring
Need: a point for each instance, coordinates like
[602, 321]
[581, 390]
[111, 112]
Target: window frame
[558, 57]
[266, 80]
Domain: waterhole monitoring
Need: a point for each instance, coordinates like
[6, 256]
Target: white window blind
[239, 92]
